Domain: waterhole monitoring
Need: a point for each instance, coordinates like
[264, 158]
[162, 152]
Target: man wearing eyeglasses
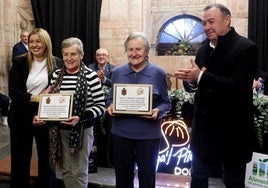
[103, 67]
[104, 71]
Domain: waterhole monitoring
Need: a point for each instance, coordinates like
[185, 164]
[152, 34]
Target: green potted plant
[181, 47]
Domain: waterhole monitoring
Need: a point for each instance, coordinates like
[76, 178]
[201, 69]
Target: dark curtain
[258, 31]
[70, 18]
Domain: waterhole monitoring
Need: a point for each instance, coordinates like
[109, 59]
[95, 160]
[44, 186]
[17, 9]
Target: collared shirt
[133, 126]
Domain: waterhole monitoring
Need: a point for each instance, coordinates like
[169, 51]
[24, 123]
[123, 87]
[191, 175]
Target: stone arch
[161, 20]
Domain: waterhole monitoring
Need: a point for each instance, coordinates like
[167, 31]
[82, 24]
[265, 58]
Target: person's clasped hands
[101, 75]
[190, 74]
[257, 83]
[72, 121]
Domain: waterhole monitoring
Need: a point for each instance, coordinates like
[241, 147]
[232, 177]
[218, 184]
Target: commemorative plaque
[55, 107]
[133, 99]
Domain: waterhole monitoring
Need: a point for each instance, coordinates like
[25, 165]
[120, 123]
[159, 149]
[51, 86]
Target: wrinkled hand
[72, 121]
[188, 74]
[110, 110]
[154, 115]
[256, 83]
[101, 75]
[37, 121]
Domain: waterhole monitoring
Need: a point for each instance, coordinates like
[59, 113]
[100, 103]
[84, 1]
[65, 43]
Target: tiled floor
[104, 176]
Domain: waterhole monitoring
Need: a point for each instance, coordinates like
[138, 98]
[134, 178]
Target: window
[185, 28]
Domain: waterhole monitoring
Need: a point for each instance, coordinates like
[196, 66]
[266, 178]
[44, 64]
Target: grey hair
[135, 35]
[73, 41]
[224, 10]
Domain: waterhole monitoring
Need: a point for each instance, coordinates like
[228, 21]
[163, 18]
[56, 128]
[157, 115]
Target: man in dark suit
[103, 67]
[102, 130]
[222, 134]
[22, 46]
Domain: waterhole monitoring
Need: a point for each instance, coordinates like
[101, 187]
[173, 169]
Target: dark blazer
[107, 72]
[18, 49]
[222, 126]
[21, 109]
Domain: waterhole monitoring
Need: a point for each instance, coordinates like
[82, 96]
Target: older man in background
[103, 67]
[22, 46]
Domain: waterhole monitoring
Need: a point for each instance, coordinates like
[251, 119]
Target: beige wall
[118, 19]
[121, 17]
[15, 15]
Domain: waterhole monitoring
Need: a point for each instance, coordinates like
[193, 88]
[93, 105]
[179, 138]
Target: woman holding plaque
[28, 78]
[136, 137]
[75, 133]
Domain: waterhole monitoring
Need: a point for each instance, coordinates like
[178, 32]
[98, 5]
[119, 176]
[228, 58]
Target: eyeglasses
[103, 55]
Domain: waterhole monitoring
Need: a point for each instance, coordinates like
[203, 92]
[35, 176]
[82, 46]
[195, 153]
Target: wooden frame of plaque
[134, 99]
[55, 107]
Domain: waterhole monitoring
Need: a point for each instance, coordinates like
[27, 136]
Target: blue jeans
[233, 173]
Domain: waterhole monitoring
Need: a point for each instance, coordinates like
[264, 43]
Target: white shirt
[38, 78]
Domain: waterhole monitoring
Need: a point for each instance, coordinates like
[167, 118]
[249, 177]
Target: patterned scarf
[79, 106]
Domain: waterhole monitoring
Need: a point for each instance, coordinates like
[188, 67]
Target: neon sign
[174, 156]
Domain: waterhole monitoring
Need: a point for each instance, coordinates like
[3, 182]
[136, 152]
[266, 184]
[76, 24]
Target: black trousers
[127, 152]
[4, 104]
[232, 172]
[21, 141]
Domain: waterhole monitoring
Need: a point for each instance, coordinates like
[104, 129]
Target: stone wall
[15, 16]
[121, 17]
[118, 19]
